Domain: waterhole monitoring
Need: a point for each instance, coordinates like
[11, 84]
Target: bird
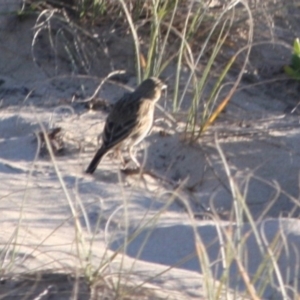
[129, 121]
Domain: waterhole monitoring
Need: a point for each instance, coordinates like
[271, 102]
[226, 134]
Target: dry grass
[62, 286]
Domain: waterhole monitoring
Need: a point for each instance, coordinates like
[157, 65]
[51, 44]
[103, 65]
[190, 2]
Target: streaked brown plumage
[130, 120]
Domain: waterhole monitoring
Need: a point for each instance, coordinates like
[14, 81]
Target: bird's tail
[96, 160]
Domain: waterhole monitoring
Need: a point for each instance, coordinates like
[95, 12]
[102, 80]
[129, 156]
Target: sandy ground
[259, 138]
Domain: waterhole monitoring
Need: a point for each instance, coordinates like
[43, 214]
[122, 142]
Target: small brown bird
[130, 120]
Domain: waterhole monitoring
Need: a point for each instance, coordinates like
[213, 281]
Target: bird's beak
[164, 86]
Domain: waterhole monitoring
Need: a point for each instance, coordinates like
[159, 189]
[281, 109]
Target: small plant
[293, 70]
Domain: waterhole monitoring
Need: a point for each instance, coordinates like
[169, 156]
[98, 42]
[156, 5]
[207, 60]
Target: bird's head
[151, 88]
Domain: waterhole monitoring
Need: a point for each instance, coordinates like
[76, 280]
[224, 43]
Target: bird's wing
[121, 121]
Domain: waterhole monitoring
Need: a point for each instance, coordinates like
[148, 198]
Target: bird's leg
[132, 156]
[123, 161]
[120, 156]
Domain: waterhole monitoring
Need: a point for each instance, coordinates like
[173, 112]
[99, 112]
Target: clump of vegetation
[191, 37]
[293, 70]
